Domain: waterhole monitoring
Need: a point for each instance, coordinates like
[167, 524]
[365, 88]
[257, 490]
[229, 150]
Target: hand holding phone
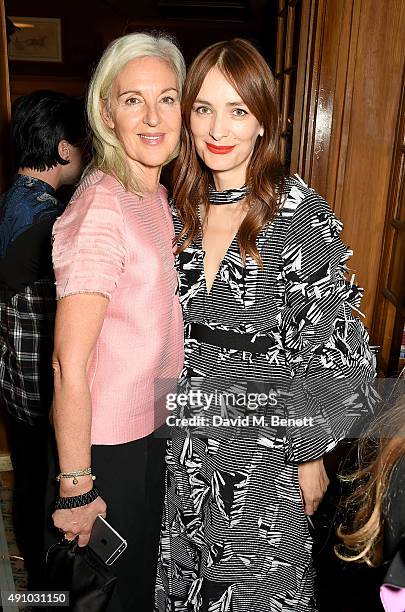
[106, 542]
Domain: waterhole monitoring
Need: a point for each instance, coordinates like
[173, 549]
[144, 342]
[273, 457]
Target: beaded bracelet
[74, 475]
[67, 503]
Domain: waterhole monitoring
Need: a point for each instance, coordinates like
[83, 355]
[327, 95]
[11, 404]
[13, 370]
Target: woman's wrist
[75, 474]
[68, 489]
[76, 501]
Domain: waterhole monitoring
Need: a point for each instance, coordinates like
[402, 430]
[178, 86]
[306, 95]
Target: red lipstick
[219, 150]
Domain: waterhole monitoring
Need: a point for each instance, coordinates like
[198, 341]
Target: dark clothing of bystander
[27, 312]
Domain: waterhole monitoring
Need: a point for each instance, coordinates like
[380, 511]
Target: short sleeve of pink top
[115, 243]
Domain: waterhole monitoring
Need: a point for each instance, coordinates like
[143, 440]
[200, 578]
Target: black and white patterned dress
[234, 535]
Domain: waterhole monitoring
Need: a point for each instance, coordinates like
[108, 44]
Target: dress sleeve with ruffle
[326, 344]
[89, 244]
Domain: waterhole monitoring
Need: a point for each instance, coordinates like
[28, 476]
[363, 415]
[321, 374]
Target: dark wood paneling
[348, 91]
[24, 84]
[389, 311]
[4, 165]
[87, 27]
[4, 104]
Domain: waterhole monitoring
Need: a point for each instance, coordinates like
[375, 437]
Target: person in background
[48, 134]
[373, 529]
[119, 327]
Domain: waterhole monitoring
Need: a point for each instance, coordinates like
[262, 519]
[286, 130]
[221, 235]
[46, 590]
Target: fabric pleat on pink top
[113, 242]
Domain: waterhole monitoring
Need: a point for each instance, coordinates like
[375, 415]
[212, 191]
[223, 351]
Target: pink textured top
[115, 243]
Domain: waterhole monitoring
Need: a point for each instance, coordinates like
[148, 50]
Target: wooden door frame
[5, 173]
[5, 105]
[347, 96]
[384, 332]
[323, 95]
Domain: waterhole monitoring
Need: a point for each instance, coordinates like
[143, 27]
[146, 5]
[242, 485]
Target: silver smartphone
[106, 542]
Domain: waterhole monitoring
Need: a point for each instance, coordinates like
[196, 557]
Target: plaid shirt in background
[26, 344]
[27, 298]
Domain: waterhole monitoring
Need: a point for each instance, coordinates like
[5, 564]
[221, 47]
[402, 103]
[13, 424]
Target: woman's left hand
[313, 481]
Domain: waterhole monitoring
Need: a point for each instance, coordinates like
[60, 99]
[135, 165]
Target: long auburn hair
[247, 71]
[379, 453]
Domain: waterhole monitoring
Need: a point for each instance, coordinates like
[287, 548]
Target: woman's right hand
[79, 521]
[79, 319]
[313, 481]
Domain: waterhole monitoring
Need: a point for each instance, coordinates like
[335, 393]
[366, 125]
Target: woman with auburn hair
[266, 306]
[118, 322]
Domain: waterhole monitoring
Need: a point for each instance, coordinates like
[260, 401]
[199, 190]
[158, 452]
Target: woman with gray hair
[118, 323]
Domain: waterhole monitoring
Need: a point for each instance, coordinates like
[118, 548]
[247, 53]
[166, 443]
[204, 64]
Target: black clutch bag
[78, 570]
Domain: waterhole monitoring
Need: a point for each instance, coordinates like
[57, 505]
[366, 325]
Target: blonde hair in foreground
[378, 454]
[109, 156]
